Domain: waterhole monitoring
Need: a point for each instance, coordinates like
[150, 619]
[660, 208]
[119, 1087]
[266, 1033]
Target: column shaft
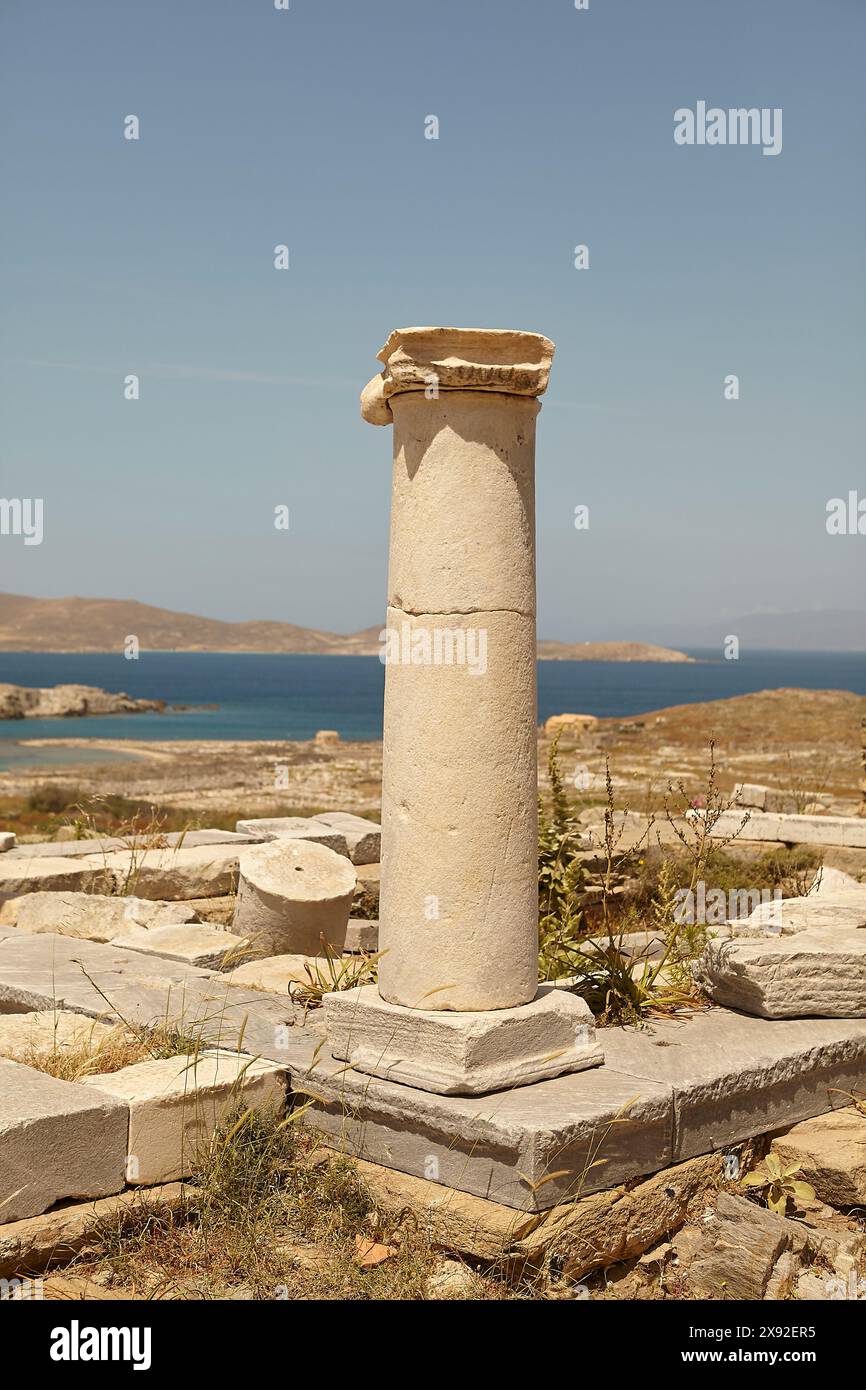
[459, 897]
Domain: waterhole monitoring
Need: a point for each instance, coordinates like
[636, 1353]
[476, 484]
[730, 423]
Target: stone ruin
[457, 1070]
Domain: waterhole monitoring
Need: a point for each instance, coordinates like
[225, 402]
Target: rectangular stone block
[733, 1077]
[23, 874]
[94, 916]
[363, 837]
[57, 1141]
[24, 1036]
[105, 982]
[846, 831]
[295, 828]
[197, 943]
[201, 871]
[176, 1104]
[677, 1089]
[362, 934]
[529, 1148]
[462, 1053]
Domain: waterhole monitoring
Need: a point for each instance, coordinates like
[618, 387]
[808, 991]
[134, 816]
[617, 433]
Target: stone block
[45, 972]
[733, 1077]
[847, 831]
[362, 934]
[201, 871]
[841, 908]
[585, 1234]
[363, 837]
[819, 973]
[93, 916]
[175, 1104]
[296, 828]
[750, 1253]
[27, 1247]
[462, 1053]
[68, 849]
[24, 1036]
[20, 875]
[667, 1093]
[196, 944]
[7, 841]
[530, 1148]
[273, 973]
[57, 1141]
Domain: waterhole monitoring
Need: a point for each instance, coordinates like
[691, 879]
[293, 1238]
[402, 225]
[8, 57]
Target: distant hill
[607, 651]
[103, 624]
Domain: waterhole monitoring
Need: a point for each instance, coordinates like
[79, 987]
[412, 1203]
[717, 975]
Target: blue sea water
[290, 697]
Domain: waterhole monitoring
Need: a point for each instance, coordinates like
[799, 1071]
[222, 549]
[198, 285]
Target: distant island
[104, 624]
[607, 651]
[69, 702]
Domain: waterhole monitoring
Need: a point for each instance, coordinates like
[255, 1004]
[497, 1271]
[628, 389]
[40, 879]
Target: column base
[462, 1054]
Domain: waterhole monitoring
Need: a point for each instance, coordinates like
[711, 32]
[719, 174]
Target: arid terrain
[785, 738]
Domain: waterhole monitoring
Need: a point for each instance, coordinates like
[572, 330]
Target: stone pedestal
[458, 915]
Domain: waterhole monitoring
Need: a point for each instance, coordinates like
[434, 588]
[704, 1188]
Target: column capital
[457, 359]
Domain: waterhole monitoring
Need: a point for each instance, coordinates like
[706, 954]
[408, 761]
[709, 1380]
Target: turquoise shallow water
[290, 697]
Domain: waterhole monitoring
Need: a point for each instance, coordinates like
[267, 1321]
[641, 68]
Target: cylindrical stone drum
[458, 916]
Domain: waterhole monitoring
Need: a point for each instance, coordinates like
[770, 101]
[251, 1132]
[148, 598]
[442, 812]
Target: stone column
[458, 1006]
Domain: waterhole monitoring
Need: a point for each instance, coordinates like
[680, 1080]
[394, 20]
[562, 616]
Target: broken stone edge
[457, 359]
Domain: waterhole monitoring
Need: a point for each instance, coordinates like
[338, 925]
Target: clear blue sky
[307, 127]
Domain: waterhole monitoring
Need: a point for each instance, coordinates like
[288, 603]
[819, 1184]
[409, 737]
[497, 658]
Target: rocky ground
[273, 1215]
[802, 739]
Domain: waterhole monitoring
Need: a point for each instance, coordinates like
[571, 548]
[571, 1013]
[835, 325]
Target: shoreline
[757, 739]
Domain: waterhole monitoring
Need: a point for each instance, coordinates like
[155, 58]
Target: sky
[306, 127]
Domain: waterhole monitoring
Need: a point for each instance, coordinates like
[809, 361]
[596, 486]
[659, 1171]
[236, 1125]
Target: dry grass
[330, 973]
[270, 1216]
[93, 1056]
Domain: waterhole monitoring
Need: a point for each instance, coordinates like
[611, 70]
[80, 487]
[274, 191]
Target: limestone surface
[57, 1141]
[362, 934]
[44, 972]
[175, 1104]
[291, 894]
[814, 973]
[845, 831]
[363, 837]
[296, 828]
[24, 1036]
[7, 841]
[54, 1237]
[200, 871]
[197, 943]
[672, 1091]
[462, 1053]
[747, 1252]
[585, 1234]
[94, 916]
[831, 909]
[20, 874]
[274, 973]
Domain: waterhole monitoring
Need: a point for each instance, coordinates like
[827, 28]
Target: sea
[276, 696]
